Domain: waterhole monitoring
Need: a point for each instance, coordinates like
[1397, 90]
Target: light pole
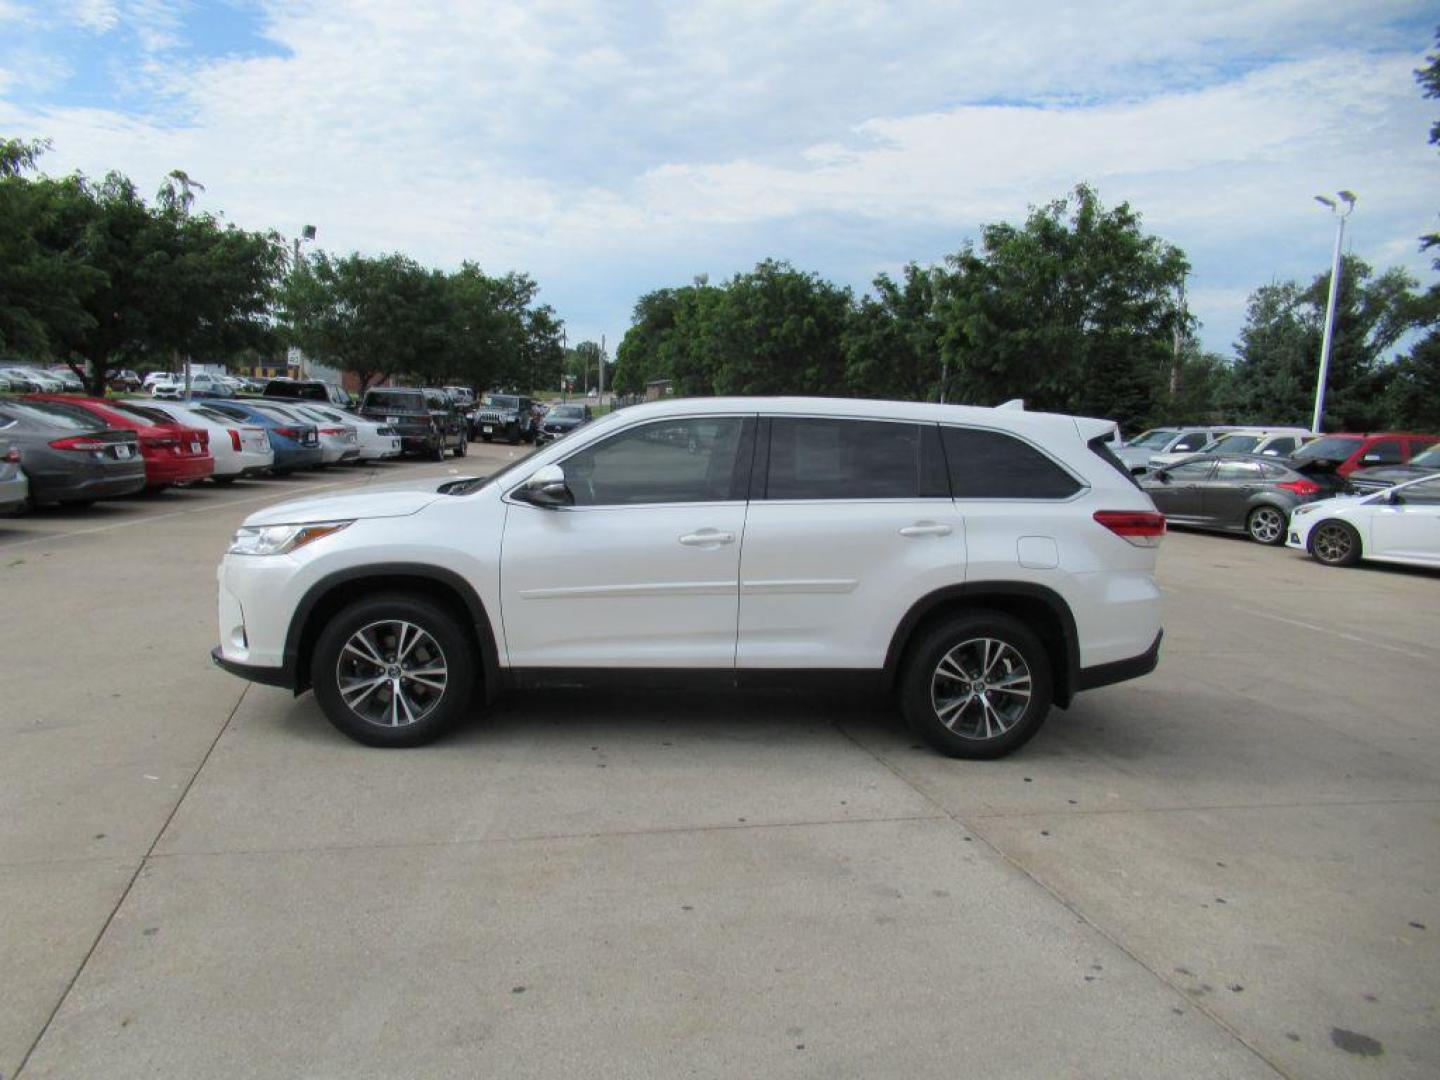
[307, 235]
[1348, 198]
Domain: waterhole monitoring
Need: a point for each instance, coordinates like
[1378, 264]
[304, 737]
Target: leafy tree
[891, 342]
[638, 360]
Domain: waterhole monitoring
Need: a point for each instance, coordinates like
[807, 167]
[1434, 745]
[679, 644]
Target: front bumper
[269, 676]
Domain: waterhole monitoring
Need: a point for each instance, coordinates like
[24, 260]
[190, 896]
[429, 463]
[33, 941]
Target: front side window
[1280, 447]
[1191, 440]
[1236, 444]
[839, 458]
[993, 465]
[687, 460]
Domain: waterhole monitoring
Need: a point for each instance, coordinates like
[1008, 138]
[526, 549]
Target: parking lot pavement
[1229, 868]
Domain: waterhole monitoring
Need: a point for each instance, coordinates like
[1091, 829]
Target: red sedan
[173, 452]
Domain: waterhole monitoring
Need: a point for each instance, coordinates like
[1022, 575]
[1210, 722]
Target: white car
[1267, 442]
[1400, 524]
[166, 389]
[377, 441]
[979, 563]
[239, 449]
[338, 441]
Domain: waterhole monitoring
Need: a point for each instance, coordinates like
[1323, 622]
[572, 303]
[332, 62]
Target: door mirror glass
[547, 487]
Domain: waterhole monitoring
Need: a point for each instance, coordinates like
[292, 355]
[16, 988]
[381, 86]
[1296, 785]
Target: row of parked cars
[1341, 497]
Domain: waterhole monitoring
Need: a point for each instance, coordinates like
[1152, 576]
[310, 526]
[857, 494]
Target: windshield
[53, 415]
[1428, 459]
[1235, 444]
[572, 411]
[1152, 440]
[400, 401]
[142, 413]
[1331, 448]
[502, 401]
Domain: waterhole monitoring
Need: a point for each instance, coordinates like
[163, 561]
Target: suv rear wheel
[393, 670]
[977, 685]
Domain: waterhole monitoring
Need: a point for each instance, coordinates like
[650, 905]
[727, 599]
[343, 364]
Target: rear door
[1178, 495]
[850, 522]
[1225, 495]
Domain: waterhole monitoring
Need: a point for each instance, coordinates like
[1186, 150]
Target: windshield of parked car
[54, 415]
[396, 401]
[1235, 444]
[1152, 440]
[142, 413]
[1330, 448]
[571, 411]
[502, 401]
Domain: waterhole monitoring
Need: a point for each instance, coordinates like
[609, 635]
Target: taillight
[234, 439]
[289, 432]
[1300, 487]
[332, 431]
[12, 458]
[1138, 527]
[77, 442]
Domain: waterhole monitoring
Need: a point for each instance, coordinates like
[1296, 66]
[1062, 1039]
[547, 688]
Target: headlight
[280, 539]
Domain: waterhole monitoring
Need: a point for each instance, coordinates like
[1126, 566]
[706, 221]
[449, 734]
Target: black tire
[453, 652]
[1335, 543]
[1019, 659]
[486, 438]
[1266, 525]
[462, 448]
[223, 480]
[437, 452]
[514, 436]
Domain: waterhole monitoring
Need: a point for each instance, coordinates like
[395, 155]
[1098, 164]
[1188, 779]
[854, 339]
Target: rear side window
[1191, 440]
[1280, 447]
[1238, 470]
[993, 465]
[1384, 452]
[837, 458]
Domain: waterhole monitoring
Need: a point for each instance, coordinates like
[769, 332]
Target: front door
[1177, 496]
[1225, 496]
[643, 570]
[1409, 529]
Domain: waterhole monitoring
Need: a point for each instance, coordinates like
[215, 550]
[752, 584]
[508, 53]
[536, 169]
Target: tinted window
[1152, 440]
[993, 465]
[1238, 470]
[1191, 470]
[1425, 493]
[395, 401]
[1191, 440]
[1384, 452]
[1333, 448]
[1280, 447]
[837, 458]
[1236, 444]
[1275, 472]
[668, 461]
[1430, 459]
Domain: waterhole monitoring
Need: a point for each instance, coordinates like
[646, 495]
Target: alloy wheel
[1333, 543]
[981, 688]
[1266, 525]
[391, 673]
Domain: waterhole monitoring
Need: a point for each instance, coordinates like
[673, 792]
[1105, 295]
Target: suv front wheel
[393, 670]
[977, 686]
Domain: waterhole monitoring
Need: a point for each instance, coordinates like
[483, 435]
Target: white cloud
[611, 148]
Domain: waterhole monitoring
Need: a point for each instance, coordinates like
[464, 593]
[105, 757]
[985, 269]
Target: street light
[1348, 198]
[307, 235]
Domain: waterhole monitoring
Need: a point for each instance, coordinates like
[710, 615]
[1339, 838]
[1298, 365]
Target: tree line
[95, 276]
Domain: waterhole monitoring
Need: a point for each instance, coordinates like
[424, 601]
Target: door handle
[707, 538]
[925, 528]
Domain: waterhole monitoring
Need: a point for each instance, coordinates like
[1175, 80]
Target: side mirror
[1162, 476]
[547, 488]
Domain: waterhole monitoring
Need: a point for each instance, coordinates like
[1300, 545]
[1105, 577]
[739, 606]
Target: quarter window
[1384, 452]
[668, 461]
[853, 459]
[993, 465]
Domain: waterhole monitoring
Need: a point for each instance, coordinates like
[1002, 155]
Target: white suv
[980, 563]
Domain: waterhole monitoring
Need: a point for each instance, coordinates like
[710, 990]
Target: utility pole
[1348, 198]
[307, 234]
[600, 396]
[1179, 343]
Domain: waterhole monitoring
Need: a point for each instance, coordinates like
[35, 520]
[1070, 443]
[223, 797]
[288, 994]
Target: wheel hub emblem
[393, 671]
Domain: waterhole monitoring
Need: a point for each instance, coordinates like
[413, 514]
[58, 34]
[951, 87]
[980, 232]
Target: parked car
[239, 449]
[29, 380]
[338, 442]
[70, 383]
[309, 390]
[1239, 493]
[463, 397]
[1136, 453]
[204, 384]
[69, 456]
[296, 444]
[1344, 453]
[980, 563]
[1266, 442]
[376, 441]
[14, 486]
[1400, 524]
[425, 420]
[504, 416]
[167, 389]
[1378, 477]
[152, 377]
[125, 381]
[173, 453]
[562, 420]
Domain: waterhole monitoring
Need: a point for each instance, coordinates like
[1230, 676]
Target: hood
[381, 501]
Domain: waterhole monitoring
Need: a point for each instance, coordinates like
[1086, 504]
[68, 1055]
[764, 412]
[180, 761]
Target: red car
[173, 453]
[1344, 453]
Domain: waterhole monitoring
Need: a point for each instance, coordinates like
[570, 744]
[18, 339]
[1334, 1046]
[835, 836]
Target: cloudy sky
[610, 148]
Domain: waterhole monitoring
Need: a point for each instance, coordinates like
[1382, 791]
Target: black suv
[563, 419]
[425, 420]
[505, 416]
[309, 390]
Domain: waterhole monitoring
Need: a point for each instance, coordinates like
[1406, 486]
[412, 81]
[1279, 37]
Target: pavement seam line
[1320, 804]
[125, 893]
[540, 838]
[1054, 894]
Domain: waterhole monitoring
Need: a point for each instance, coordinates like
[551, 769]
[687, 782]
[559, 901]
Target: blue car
[296, 445]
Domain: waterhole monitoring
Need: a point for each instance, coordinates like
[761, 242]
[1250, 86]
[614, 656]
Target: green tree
[891, 341]
[640, 358]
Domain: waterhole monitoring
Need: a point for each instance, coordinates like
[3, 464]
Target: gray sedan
[68, 457]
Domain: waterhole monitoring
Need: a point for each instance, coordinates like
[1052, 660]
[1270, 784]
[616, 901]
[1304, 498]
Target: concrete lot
[1230, 868]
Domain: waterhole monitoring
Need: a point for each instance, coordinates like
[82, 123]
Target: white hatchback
[1400, 524]
[239, 449]
[980, 564]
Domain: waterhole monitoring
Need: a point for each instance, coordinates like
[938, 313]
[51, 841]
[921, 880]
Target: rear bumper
[13, 493]
[1132, 667]
[178, 470]
[268, 676]
[111, 483]
[296, 457]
